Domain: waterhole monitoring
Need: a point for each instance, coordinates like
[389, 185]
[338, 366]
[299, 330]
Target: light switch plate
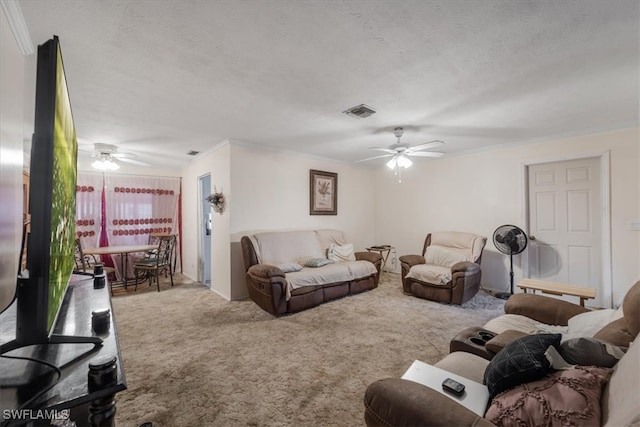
[634, 225]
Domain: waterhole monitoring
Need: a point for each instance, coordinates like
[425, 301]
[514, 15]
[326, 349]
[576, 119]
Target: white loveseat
[284, 272]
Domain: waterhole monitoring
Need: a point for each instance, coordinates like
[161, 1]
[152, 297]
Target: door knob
[532, 237]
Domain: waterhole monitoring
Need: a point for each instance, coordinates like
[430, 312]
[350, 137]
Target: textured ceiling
[160, 78]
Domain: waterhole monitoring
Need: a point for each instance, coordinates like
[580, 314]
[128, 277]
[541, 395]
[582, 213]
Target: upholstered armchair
[448, 269]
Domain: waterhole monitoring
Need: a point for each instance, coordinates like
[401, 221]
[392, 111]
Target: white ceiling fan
[107, 157]
[400, 152]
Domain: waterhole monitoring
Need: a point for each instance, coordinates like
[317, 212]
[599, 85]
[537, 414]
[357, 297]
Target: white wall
[480, 191]
[217, 163]
[271, 192]
[11, 160]
[267, 190]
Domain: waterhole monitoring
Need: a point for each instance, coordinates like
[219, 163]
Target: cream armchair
[448, 269]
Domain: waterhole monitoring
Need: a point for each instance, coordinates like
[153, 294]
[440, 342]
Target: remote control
[453, 386]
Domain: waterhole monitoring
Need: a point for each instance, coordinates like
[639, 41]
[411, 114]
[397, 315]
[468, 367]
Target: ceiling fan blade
[425, 154]
[135, 162]
[376, 157]
[426, 145]
[386, 150]
[124, 155]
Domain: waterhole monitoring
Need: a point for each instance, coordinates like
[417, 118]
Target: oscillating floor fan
[509, 240]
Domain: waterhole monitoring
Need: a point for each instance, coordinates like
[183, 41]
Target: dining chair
[85, 263]
[156, 262]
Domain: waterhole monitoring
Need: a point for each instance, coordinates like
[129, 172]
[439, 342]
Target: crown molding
[12, 11]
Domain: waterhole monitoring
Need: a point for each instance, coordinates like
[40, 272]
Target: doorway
[204, 231]
[568, 222]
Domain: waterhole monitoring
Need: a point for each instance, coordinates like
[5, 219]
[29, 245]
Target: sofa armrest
[265, 271]
[398, 402]
[373, 257]
[547, 310]
[465, 267]
[411, 260]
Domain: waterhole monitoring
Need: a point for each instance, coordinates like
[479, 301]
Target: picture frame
[323, 193]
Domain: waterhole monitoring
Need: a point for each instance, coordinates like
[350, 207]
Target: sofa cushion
[331, 273]
[464, 364]
[519, 362]
[281, 247]
[433, 274]
[468, 244]
[444, 257]
[591, 352]
[327, 236]
[568, 397]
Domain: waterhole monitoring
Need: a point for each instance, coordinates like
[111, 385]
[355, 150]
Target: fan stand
[506, 295]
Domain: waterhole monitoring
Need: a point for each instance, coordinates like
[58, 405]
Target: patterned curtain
[88, 209]
[138, 207]
[119, 210]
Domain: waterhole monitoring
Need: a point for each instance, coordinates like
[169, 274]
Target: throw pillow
[591, 352]
[438, 255]
[341, 252]
[519, 362]
[317, 262]
[587, 324]
[570, 397]
[289, 267]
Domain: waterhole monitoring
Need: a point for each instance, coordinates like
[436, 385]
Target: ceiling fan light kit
[400, 153]
[105, 164]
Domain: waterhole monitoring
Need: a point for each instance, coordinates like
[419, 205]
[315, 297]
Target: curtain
[137, 207]
[88, 209]
[126, 210]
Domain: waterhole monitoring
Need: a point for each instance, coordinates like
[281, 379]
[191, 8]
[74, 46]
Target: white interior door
[565, 223]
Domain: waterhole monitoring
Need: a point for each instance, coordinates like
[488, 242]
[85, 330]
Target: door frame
[200, 267]
[605, 205]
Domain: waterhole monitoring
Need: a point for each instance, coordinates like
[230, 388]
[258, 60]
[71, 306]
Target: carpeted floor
[193, 359]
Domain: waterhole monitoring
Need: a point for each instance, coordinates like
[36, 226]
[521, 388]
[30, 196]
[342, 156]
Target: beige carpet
[194, 359]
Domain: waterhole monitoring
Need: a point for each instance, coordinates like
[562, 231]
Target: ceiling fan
[400, 152]
[107, 157]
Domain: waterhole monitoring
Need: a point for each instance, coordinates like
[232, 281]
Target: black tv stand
[71, 347]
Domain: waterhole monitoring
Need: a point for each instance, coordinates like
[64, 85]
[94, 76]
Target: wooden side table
[554, 288]
[384, 251]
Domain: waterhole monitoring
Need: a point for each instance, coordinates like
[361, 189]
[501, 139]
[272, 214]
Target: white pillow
[438, 255]
[587, 324]
[341, 252]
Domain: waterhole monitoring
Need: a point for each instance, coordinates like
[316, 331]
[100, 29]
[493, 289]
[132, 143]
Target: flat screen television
[52, 206]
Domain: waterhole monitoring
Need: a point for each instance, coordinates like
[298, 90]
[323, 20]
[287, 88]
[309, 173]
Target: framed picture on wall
[323, 191]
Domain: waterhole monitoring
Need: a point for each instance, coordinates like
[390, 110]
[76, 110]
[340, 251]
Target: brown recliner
[448, 269]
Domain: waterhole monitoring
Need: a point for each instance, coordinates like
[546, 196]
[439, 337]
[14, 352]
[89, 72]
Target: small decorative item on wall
[323, 191]
[217, 200]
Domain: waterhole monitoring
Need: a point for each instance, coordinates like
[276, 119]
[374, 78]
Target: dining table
[123, 251]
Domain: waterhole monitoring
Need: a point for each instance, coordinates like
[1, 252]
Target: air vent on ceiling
[360, 111]
[193, 153]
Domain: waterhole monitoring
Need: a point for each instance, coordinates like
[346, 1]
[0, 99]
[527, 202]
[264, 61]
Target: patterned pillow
[521, 361]
[317, 262]
[569, 397]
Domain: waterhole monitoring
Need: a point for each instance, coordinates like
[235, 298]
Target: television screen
[63, 198]
[52, 204]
